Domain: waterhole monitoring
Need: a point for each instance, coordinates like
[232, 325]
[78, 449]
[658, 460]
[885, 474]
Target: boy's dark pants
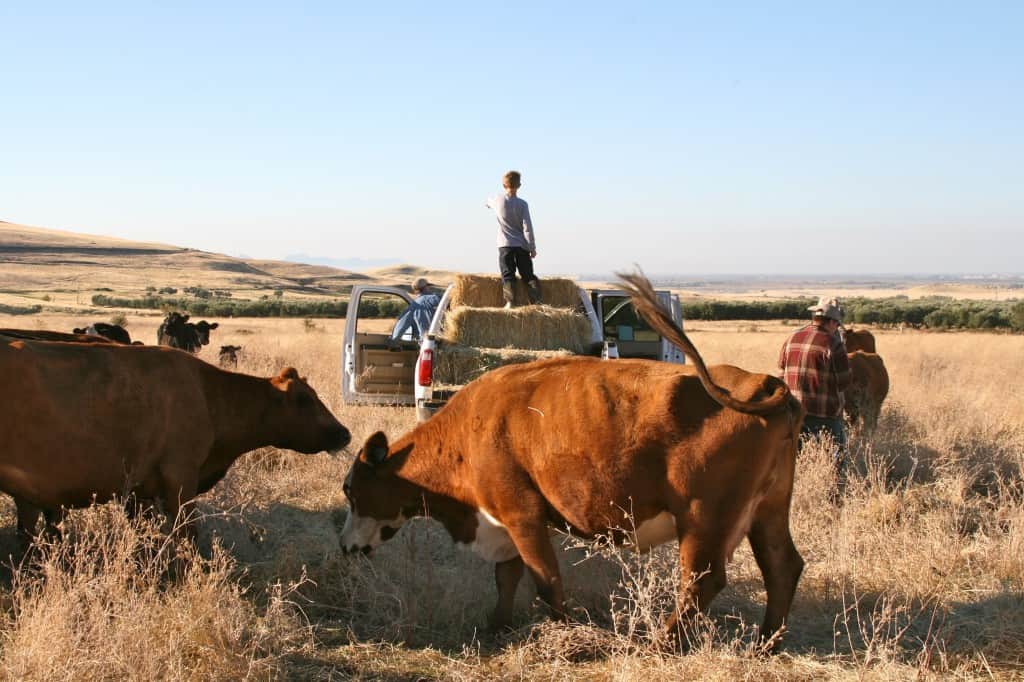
[510, 259]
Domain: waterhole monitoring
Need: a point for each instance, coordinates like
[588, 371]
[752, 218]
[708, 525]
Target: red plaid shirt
[817, 370]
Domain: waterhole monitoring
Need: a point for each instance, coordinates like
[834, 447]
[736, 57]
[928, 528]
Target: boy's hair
[511, 179]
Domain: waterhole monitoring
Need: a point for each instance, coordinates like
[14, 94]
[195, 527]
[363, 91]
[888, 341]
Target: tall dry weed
[102, 605]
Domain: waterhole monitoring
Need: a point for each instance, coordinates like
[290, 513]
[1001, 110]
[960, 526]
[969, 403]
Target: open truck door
[632, 336]
[374, 370]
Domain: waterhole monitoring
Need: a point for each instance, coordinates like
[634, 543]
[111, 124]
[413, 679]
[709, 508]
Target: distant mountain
[343, 263]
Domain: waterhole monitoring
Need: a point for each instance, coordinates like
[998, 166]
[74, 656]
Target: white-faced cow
[703, 457]
[114, 332]
[177, 332]
[94, 420]
[47, 335]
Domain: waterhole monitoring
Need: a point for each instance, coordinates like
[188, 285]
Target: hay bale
[535, 327]
[484, 291]
[457, 365]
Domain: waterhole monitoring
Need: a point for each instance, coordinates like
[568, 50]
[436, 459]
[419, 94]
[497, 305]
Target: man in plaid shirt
[816, 368]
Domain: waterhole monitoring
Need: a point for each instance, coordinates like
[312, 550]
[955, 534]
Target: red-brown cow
[91, 421]
[869, 384]
[704, 458]
[859, 339]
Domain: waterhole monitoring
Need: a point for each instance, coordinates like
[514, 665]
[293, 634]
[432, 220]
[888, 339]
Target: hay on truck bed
[535, 327]
[457, 365]
[484, 291]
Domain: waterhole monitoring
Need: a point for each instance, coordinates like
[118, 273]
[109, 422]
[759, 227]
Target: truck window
[379, 313]
[621, 322]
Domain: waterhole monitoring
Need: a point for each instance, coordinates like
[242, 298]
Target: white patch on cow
[492, 541]
[655, 531]
[364, 531]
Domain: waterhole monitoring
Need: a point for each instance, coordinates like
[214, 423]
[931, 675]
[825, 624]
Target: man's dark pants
[815, 427]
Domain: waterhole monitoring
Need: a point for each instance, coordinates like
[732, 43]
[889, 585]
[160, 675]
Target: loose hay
[484, 291]
[459, 365]
[535, 327]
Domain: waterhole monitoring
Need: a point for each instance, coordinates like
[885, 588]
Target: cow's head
[203, 329]
[379, 502]
[303, 423]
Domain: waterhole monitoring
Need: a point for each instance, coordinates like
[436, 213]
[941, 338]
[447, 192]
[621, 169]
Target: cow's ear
[214, 325]
[281, 381]
[376, 449]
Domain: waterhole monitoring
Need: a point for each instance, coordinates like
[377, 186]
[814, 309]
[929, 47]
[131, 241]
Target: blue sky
[741, 138]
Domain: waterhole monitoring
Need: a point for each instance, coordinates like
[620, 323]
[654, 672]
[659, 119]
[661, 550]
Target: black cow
[177, 332]
[228, 356]
[114, 332]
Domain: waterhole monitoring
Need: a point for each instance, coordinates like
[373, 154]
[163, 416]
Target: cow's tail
[645, 300]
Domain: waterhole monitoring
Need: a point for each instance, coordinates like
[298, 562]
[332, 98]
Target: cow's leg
[779, 561]
[529, 532]
[28, 519]
[702, 566]
[179, 490]
[507, 575]
[53, 518]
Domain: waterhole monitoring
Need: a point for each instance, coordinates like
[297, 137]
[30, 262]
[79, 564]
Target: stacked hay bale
[484, 291]
[456, 365]
[480, 335]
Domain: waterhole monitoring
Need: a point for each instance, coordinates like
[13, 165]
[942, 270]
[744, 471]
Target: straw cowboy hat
[421, 284]
[828, 307]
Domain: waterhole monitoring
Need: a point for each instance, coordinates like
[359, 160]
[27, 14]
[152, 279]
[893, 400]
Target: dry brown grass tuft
[484, 291]
[102, 605]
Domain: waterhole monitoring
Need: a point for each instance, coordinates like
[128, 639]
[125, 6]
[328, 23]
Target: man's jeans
[815, 427]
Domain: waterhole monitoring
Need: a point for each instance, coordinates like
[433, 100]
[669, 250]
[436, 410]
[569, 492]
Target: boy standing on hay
[516, 245]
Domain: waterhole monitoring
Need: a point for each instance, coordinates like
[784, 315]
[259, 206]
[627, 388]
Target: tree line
[930, 313]
[266, 307]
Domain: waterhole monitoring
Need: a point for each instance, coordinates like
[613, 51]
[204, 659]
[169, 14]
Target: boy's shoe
[533, 291]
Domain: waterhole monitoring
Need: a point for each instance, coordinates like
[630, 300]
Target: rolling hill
[57, 268]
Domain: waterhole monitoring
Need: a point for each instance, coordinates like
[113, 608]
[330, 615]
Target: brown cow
[859, 339]
[96, 420]
[701, 457]
[869, 384]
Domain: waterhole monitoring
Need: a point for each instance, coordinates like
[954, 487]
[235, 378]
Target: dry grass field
[919, 573]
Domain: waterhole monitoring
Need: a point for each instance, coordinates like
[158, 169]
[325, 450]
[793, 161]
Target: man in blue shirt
[419, 313]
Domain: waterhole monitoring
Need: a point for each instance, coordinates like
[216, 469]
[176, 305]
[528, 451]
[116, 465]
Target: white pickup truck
[375, 372]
